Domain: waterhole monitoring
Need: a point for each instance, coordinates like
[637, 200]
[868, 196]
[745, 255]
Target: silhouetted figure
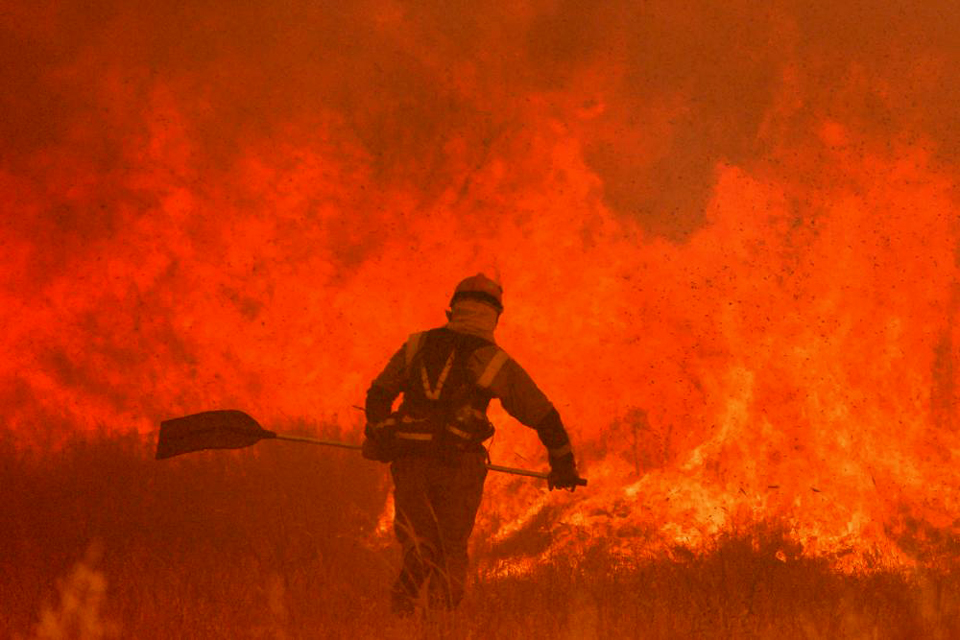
[434, 440]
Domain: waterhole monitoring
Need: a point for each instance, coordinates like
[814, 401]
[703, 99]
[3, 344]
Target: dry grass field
[279, 541]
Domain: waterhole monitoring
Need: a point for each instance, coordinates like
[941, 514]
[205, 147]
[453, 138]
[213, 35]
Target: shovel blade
[229, 429]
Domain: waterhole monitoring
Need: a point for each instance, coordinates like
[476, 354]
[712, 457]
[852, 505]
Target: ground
[280, 541]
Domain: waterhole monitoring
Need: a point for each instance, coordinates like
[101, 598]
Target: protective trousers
[436, 502]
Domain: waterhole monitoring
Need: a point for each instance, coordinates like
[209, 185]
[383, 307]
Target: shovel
[232, 429]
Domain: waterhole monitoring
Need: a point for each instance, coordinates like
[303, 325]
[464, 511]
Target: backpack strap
[434, 393]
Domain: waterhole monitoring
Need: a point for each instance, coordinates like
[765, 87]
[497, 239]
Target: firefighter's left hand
[563, 474]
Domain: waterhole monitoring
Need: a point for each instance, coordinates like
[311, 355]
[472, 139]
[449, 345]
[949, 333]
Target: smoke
[658, 94]
[737, 221]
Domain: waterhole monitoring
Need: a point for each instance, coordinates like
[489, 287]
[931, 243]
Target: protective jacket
[448, 377]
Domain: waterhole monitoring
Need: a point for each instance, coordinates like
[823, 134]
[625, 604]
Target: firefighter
[434, 441]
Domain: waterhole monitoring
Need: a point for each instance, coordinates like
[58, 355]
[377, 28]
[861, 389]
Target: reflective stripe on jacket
[492, 369]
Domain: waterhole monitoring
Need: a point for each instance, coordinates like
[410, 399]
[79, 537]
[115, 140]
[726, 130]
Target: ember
[729, 237]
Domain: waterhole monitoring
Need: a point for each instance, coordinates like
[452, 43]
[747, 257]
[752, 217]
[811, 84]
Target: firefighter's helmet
[482, 288]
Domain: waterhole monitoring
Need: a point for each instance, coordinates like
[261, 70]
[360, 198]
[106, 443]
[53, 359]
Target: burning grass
[280, 541]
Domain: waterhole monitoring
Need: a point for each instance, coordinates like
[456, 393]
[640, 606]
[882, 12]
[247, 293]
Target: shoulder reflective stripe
[414, 436]
[413, 345]
[560, 451]
[492, 369]
[434, 394]
[389, 422]
[458, 432]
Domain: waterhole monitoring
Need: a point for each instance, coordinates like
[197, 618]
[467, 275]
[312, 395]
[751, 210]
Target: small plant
[78, 614]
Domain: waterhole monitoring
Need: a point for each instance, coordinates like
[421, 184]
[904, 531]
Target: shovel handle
[581, 482]
[327, 443]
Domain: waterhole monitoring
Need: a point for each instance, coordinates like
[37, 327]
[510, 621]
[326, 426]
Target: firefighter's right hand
[563, 473]
[378, 443]
[370, 450]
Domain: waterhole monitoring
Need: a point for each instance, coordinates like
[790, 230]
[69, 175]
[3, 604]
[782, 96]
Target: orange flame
[729, 241]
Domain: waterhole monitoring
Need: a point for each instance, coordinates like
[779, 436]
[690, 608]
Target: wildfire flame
[728, 237]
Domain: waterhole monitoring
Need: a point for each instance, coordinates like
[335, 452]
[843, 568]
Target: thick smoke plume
[728, 235]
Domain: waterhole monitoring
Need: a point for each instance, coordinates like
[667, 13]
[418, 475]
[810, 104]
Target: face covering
[473, 317]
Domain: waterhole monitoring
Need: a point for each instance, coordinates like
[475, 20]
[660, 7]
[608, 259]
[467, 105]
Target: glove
[379, 442]
[563, 473]
[373, 451]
